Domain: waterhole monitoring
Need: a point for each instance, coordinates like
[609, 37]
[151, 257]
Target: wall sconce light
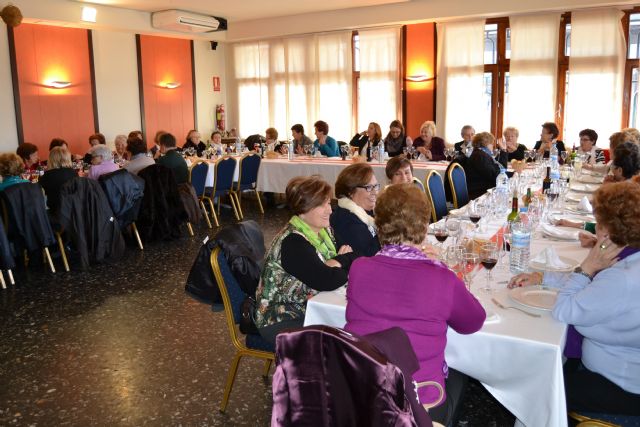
[58, 84]
[89, 14]
[419, 78]
[172, 85]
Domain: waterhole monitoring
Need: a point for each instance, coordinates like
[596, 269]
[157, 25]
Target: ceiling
[244, 10]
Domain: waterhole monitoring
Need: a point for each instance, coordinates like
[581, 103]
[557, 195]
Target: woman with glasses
[356, 190]
[302, 261]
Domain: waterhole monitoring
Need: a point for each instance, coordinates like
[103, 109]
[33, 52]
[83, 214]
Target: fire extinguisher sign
[216, 84]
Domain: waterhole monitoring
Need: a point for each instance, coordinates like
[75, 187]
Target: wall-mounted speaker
[214, 45]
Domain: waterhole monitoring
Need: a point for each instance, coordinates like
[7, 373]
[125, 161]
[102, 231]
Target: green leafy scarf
[321, 241]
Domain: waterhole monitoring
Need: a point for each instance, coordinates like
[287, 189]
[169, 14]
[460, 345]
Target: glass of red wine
[488, 259]
[475, 213]
[440, 232]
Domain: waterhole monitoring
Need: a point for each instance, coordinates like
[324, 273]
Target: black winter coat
[124, 191]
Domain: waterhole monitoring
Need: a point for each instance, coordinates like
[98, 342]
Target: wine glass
[469, 264]
[453, 258]
[489, 259]
[453, 227]
[440, 232]
[475, 213]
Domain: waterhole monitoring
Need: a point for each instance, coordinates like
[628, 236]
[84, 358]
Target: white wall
[8, 130]
[208, 63]
[116, 70]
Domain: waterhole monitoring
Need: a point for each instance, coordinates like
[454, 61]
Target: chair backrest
[417, 183]
[248, 172]
[198, 176]
[345, 380]
[124, 192]
[458, 182]
[232, 295]
[224, 169]
[437, 198]
[25, 216]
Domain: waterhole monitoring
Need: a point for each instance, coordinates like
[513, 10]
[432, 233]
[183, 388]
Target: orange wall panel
[420, 58]
[44, 54]
[164, 60]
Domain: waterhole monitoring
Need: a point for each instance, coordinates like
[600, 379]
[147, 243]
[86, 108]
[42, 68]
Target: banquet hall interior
[486, 106]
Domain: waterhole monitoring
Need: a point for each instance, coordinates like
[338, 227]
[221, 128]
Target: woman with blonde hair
[430, 146]
[60, 171]
[367, 140]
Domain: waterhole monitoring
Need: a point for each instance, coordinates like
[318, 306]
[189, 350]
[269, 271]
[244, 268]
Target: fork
[495, 301]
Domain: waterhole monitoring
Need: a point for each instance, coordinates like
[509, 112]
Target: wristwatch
[579, 270]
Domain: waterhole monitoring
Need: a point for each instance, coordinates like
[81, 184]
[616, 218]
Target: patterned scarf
[321, 241]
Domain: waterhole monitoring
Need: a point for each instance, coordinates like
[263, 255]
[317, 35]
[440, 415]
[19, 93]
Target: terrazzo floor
[123, 345]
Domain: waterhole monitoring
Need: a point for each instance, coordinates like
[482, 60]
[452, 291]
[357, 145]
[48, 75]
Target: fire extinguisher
[220, 117]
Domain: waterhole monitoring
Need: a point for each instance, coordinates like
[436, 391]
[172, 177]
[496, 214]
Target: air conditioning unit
[186, 22]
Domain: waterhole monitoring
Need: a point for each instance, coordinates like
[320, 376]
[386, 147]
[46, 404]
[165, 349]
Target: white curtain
[596, 74]
[533, 74]
[282, 82]
[459, 99]
[378, 87]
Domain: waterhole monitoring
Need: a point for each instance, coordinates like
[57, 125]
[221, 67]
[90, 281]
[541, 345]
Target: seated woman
[366, 141]
[193, 141]
[101, 161]
[326, 144]
[402, 287]
[137, 149]
[601, 298]
[481, 168]
[302, 260]
[625, 163]
[399, 170]
[427, 144]
[352, 221]
[615, 139]
[593, 155]
[11, 169]
[514, 150]
[59, 171]
[155, 150]
[58, 142]
[216, 143]
[548, 137]
[29, 154]
[120, 154]
[97, 139]
[396, 141]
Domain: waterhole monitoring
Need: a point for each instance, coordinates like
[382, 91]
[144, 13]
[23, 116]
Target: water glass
[453, 227]
[470, 262]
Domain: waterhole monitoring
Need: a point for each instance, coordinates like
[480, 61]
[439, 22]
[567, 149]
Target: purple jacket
[420, 296]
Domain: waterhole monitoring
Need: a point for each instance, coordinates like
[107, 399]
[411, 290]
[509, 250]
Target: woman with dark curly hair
[400, 286]
[601, 298]
[303, 259]
[626, 161]
[29, 154]
[11, 167]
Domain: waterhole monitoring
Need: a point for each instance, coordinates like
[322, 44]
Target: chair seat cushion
[256, 342]
[622, 420]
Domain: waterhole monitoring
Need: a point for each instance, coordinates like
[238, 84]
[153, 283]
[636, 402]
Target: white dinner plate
[590, 179]
[539, 297]
[573, 197]
[540, 266]
[584, 188]
[559, 233]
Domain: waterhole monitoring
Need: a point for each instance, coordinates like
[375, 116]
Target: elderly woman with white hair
[101, 161]
[120, 154]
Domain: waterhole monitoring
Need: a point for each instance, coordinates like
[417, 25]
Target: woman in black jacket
[366, 141]
[481, 168]
[60, 171]
[352, 221]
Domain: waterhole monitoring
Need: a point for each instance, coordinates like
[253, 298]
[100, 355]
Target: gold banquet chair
[248, 168]
[458, 183]
[198, 179]
[232, 298]
[223, 171]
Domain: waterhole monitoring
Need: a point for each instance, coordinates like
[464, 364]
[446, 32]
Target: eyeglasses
[370, 188]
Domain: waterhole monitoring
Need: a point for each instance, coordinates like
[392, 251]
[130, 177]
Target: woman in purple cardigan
[401, 286]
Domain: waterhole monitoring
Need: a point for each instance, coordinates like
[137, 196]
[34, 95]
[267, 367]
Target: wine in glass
[489, 259]
[475, 213]
[440, 232]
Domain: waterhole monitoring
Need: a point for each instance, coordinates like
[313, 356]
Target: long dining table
[274, 174]
[518, 358]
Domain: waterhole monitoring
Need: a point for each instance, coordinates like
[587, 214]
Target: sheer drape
[281, 82]
[378, 87]
[460, 78]
[533, 74]
[596, 73]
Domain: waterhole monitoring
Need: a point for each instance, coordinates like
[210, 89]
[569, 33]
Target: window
[495, 69]
[630, 94]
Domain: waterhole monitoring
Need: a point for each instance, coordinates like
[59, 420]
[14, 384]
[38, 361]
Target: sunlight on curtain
[378, 86]
[282, 82]
[596, 74]
[533, 74]
[460, 79]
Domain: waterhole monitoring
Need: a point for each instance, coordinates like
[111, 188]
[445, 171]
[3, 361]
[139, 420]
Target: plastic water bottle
[555, 165]
[380, 152]
[520, 245]
[290, 150]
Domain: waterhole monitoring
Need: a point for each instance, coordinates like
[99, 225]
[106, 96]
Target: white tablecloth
[517, 358]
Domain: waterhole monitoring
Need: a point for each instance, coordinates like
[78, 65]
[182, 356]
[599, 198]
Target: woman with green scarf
[302, 261]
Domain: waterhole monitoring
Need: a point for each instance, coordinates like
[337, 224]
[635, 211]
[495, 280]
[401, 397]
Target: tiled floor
[122, 345]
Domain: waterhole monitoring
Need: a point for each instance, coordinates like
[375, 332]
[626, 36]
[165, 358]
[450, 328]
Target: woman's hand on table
[602, 255]
[587, 240]
[425, 152]
[525, 279]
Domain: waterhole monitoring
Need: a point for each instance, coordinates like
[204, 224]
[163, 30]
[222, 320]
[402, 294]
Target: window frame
[498, 72]
[630, 65]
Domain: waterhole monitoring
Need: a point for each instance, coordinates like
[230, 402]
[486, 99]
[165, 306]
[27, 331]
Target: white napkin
[559, 233]
[550, 259]
[585, 205]
[459, 212]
